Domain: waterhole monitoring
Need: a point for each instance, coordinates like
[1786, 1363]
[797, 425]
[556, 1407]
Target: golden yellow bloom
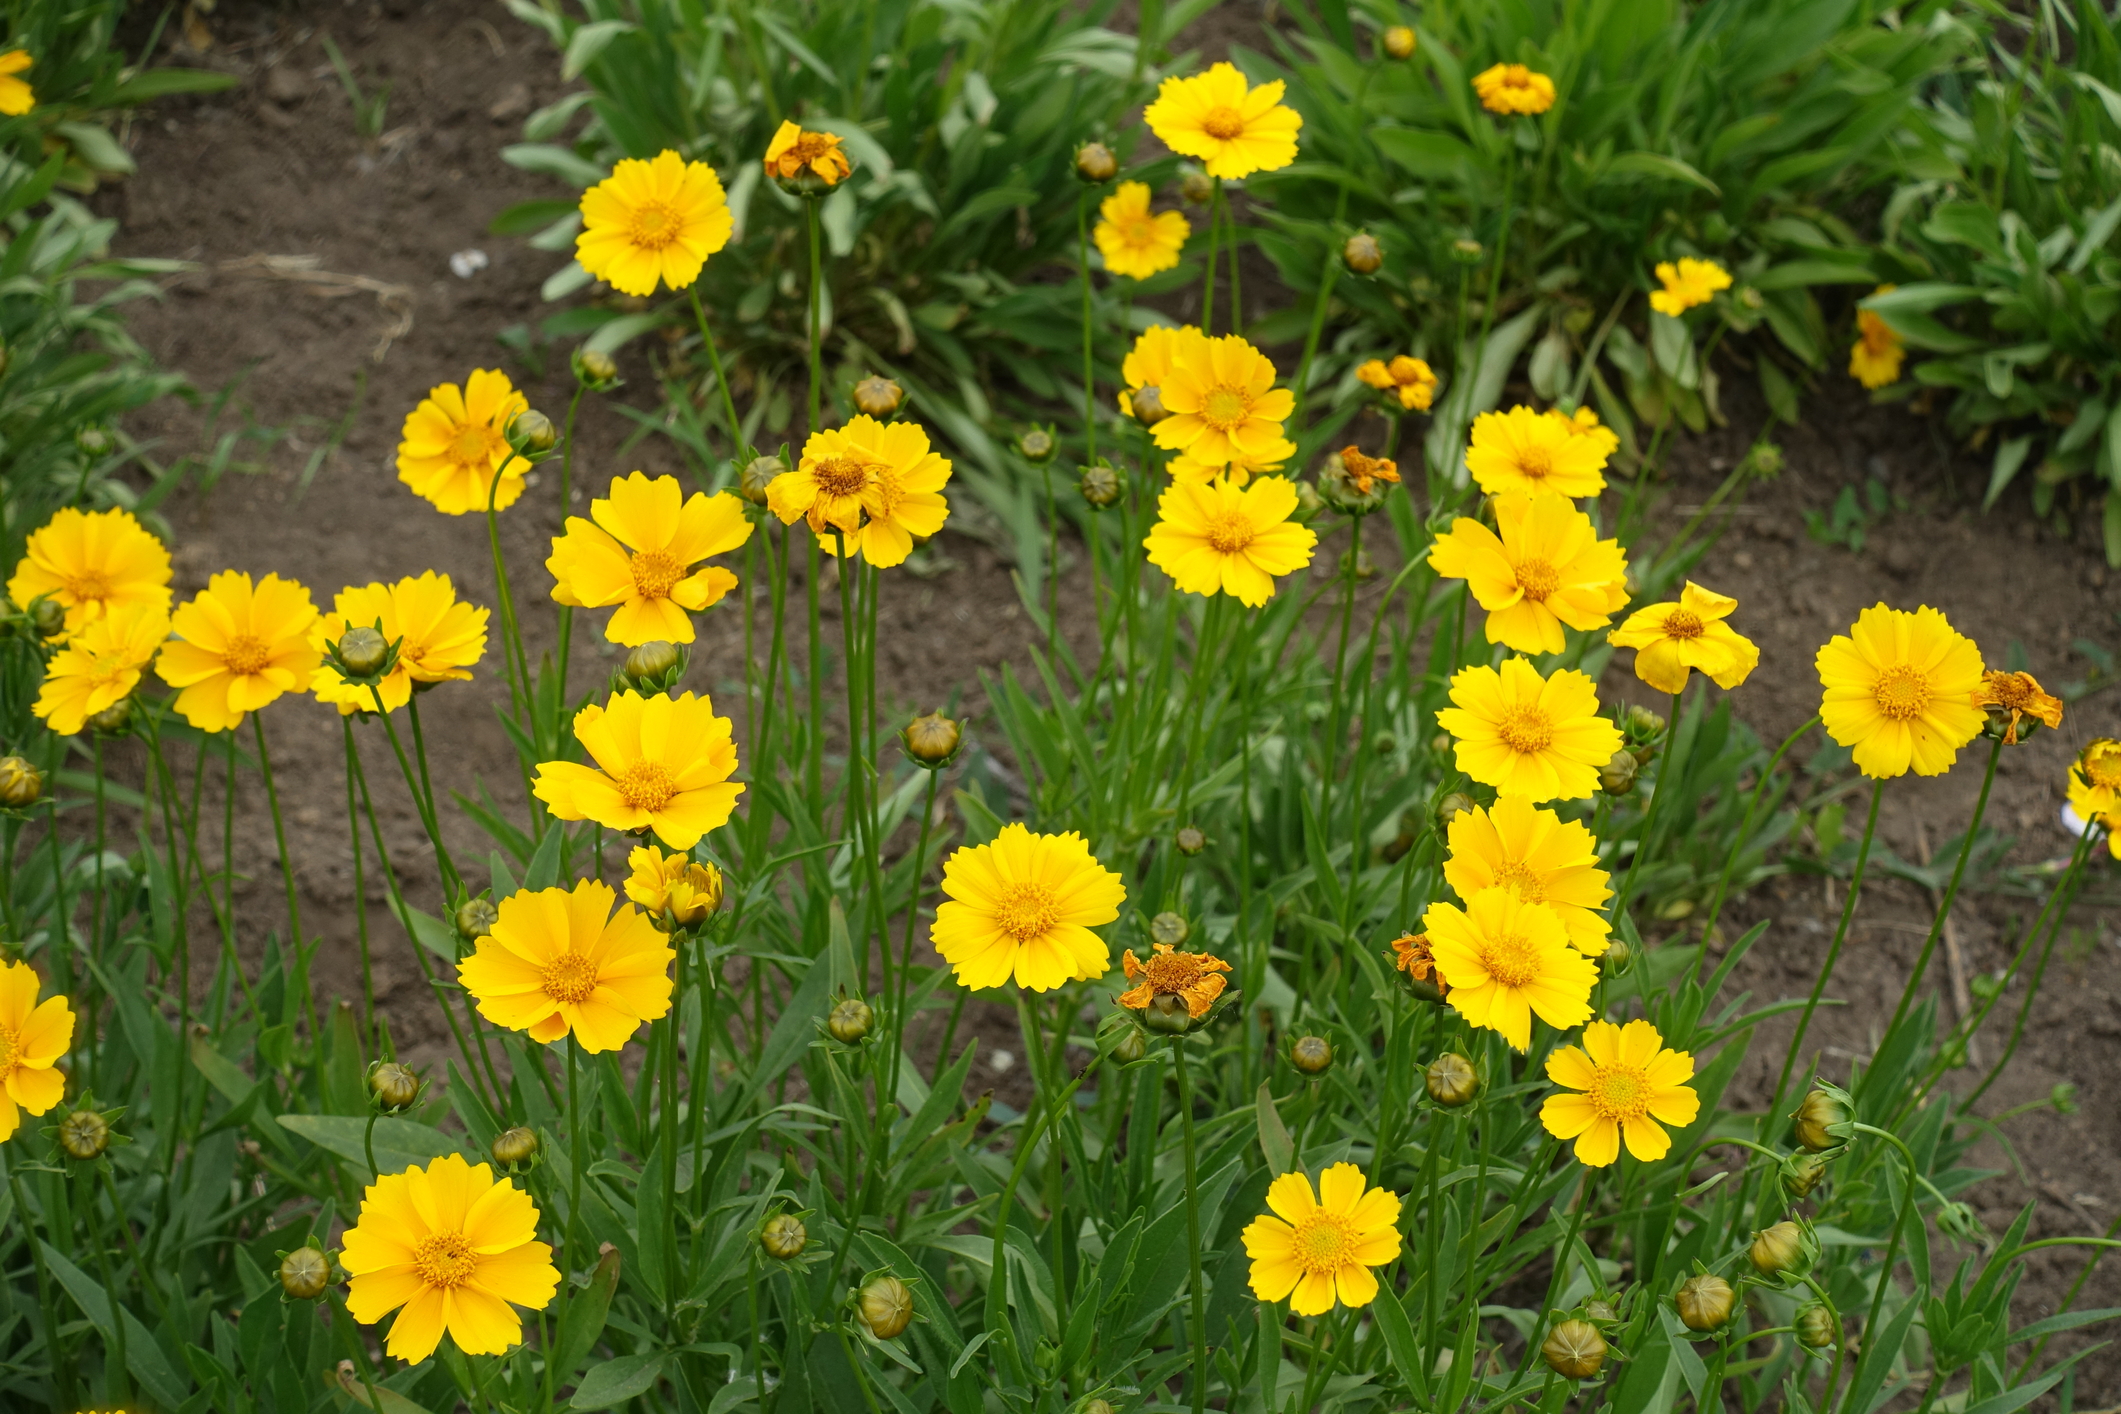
[1687, 284]
[16, 96]
[1631, 1086]
[1523, 450]
[1195, 976]
[2017, 696]
[1223, 401]
[1584, 423]
[1214, 537]
[1411, 380]
[91, 562]
[1545, 569]
[2095, 779]
[662, 764]
[1875, 359]
[652, 221]
[450, 1249]
[639, 550]
[560, 961]
[1234, 130]
[1506, 959]
[1239, 470]
[1314, 1250]
[1541, 738]
[456, 442]
[906, 504]
[1022, 908]
[1544, 858]
[1363, 471]
[33, 1036]
[1671, 640]
[1135, 242]
[1148, 364]
[439, 637]
[795, 150]
[675, 884]
[238, 646]
[100, 666]
[1513, 88]
[1899, 690]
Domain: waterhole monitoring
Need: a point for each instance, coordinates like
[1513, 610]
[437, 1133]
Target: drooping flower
[1506, 959]
[1235, 130]
[1136, 242]
[640, 550]
[673, 885]
[239, 646]
[1545, 569]
[452, 1250]
[1686, 284]
[2013, 697]
[1523, 450]
[33, 1036]
[456, 442]
[1899, 690]
[440, 639]
[1194, 976]
[560, 962]
[1363, 472]
[1238, 470]
[100, 666]
[661, 763]
[1411, 380]
[1545, 859]
[1412, 955]
[1514, 88]
[1148, 364]
[1584, 423]
[1672, 640]
[1540, 738]
[89, 562]
[16, 96]
[1630, 1087]
[795, 150]
[2095, 778]
[1022, 907]
[1875, 358]
[1216, 538]
[1222, 400]
[1316, 1250]
[650, 221]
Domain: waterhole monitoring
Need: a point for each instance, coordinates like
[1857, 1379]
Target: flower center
[2012, 690]
[1137, 231]
[1224, 408]
[1223, 123]
[1535, 463]
[10, 1049]
[87, 585]
[1511, 960]
[1230, 533]
[444, 1259]
[1538, 579]
[1526, 730]
[1620, 1092]
[654, 226]
[646, 785]
[811, 146]
[1523, 878]
[1325, 1242]
[474, 446]
[1173, 971]
[570, 978]
[1026, 911]
[840, 476]
[245, 655]
[1682, 623]
[656, 573]
[1902, 692]
[2103, 768]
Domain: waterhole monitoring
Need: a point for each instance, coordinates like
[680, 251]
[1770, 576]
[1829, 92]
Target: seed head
[1816, 1327]
[1361, 254]
[1099, 485]
[1823, 1119]
[1451, 1080]
[1313, 1055]
[1801, 1173]
[886, 1307]
[1618, 777]
[1148, 405]
[84, 1134]
[364, 653]
[932, 741]
[1036, 445]
[392, 1088]
[1784, 1249]
[1574, 1350]
[1095, 163]
[654, 667]
[850, 1021]
[1190, 840]
[1705, 1302]
[475, 918]
[752, 481]
[1399, 42]
[596, 370]
[305, 1273]
[784, 1237]
[1170, 929]
[878, 396]
[532, 435]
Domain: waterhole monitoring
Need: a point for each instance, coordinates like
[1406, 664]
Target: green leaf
[1398, 1331]
[528, 217]
[616, 1381]
[2067, 1321]
[2010, 456]
[160, 83]
[143, 1357]
[400, 1143]
[553, 161]
[587, 43]
[1274, 1139]
[433, 934]
[586, 1313]
[1656, 164]
[96, 147]
[1426, 154]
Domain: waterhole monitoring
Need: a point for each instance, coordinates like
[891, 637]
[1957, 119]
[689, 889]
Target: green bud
[1451, 1080]
[305, 1273]
[1574, 1350]
[1170, 929]
[1705, 1302]
[784, 1237]
[1816, 1327]
[1313, 1055]
[850, 1021]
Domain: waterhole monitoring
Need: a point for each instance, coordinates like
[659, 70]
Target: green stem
[1197, 1323]
[1646, 838]
[738, 450]
[1082, 260]
[360, 900]
[287, 877]
[1745, 831]
[1892, 1255]
[1207, 288]
[62, 1365]
[1951, 891]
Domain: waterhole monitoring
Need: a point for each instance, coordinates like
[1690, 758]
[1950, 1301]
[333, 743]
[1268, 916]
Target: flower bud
[1195, 187]
[475, 918]
[363, 652]
[1450, 808]
[1574, 1350]
[1816, 1327]
[1600, 1312]
[1099, 485]
[1361, 254]
[1313, 1055]
[1170, 929]
[531, 435]
[1782, 1250]
[596, 370]
[784, 1237]
[654, 667]
[392, 1088]
[1823, 1119]
[1467, 251]
[1036, 445]
[1705, 1302]
[932, 741]
[84, 1134]
[850, 1021]
[1148, 405]
[1167, 1015]
[1190, 840]
[1399, 42]
[1095, 163]
[1618, 777]
[515, 1148]
[1132, 1046]
[305, 1273]
[47, 617]
[93, 442]
[112, 720]
[1617, 956]
[1643, 722]
[1094, 1406]
[757, 474]
[1801, 1173]
[878, 396]
[886, 1307]
[1451, 1080]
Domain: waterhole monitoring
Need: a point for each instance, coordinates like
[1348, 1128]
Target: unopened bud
[1468, 252]
[475, 918]
[532, 435]
[850, 1021]
[363, 652]
[1399, 42]
[1095, 163]
[784, 1237]
[1170, 929]
[1036, 445]
[1643, 722]
[1313, 1055]
[1190, 840]
[1574, 1350]
[1779, 1250]
[1617, 956]
[1167, 1015]
[1452, 806]
[393, 1088]
[305, 1273]
[1451, 1080]
[878, 396]
[1094, 1406]
[1361, 254]
[932, 741]
[93, 442]
[1195, 187]
[1618, 777]
[1823, 1119]
[654, 666]
[514, 1148]
[757, 475]
[1099, 485]
[886, 1307]
[1705, 1302]
[84, 1134]
[1132, 1046]
[1816, 1327]
[48, 618]
[1801, 1173]
[596, 370]
[1148, 405]
[112, 720]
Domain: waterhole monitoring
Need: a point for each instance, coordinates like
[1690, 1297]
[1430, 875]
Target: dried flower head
[2016, 705]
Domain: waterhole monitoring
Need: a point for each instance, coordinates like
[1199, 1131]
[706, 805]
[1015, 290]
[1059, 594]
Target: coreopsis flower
[1238, 470]
[1222, 400]
[1148, 364]
[1686, 284]
[237, 647]
[640, 552]
[1672, 640]
[2009, 698]
[456, 442]
[796, 151]
[832, 486]
[1409, 379]
[676, 886]
[16, 96]
[1506, 959]
[1317, 1249]
[33, 1036]
[1136, 242]
[1523, 450]
[1216, 538]
[650, 221]
[90, 562]
[1899, 689]
[662, 763]
[1234, 129]
[1363, 472]
[905, 503]
[440, 638]
[1630, 1087]
[452, 1250]
[1584, 423]
[1412, 955]
[2095, 778]
[559, 962]
[1194, 977]
[1022, 907]
[100, 666]
[1876, 356]
[1540, 738]
[1545, 859]
[1513, 88]
[1541, 568]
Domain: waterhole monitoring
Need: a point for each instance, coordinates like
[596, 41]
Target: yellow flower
[439, 639]
[1239, 470]
[1631, 1086]
[1584, 423]
[673, 884]
[1687, 284]
[869, 488]
[33, 1036]
[1544, 858]
[1214, 537]
[1313, 1250]
[1541, 738]
[662, 764]
[1671, 640]
[1022, 908]
[1513, 88]
[100, 666]
[16, 96]
[560, 961]
[795, 149]
[1899, 690]
[1134, 242]
[1547, 568]
[1195, 976]
[1505, 959]
[1234, 130]
[1148, 364]
[1875, 360]
[1411, 380]
[1523, 450]
[652, 220]
[91, 562]
[456, 442]
[2095, 779]
[638, 550]
[453, 1247]
[1223, 401]
[238, 646]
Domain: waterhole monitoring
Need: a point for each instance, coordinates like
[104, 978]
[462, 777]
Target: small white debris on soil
[467, 263]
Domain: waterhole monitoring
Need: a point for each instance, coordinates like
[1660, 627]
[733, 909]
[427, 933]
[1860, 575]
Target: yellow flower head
[906, 504]
[1149, 363]
[100, 666]
[2095, 779]
[1672, 640]
[1505, 959]
[1875, 360]
[1630, 1086]
[1022, 908]
[1900, 690]
[560, 961]
[90, 562]
[16, 96]
[640, 549]
[662, 764]
[1234, 130]
[1314, 1250]
[1523, 450]
[440, 638]
[1584, 423]
[1216, 538]
[450, 1249]
[1546, 568]
[1545, 859]
[1223, 401]
[1411, 380]
[1540, 738]
[33, 1036]
[1195, 976]
[238, 646]
[673, 884]
[1238, 470]
[1135, 242]
[456, 442]
[652, 221]
[795, 150]
[1687, 284]
[1513, 88]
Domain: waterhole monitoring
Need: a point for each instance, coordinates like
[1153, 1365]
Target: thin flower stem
[1207, 287]
[453, 882]
[342, 1320]
[1951, 891]
[574, 1156]
[62, 1365]
[1082, 261]
[1329, 767]
[1885, 1272]
[1557, 1283]
[1237, 302]
[2069, 1299]
[566, 610]
[737, 447]
[1646, 838]
[287, 877]
[360, 898]
[1197, 1323]
[1745, 831]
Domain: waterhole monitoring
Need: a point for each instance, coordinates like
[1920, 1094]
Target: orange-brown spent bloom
[1411, 955]
[1195, 976]
[1363, 470]
[795, 150]
[2019, 695]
